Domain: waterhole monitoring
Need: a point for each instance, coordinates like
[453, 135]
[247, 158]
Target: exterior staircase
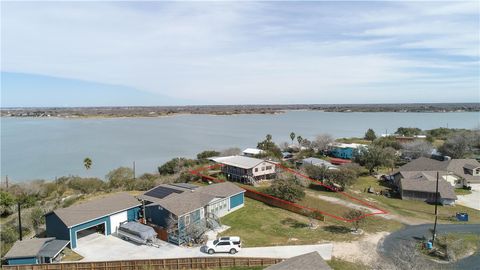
[213, 221]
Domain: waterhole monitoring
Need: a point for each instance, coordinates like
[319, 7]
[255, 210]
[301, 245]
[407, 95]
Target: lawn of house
[410, 208]
[261, 225]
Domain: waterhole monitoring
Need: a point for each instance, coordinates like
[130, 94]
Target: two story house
[244, 169]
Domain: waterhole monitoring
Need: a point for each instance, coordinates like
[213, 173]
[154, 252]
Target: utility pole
[134, 170]
[6, 181]
[143, 212]
[19, 221]
[436, 211]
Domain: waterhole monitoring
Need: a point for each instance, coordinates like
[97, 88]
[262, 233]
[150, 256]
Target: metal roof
[317, 162]
[53, 248]
[96, 208]
[252, 151]
[239, 161]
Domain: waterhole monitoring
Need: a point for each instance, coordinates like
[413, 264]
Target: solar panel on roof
[162, 192]
[185, 185]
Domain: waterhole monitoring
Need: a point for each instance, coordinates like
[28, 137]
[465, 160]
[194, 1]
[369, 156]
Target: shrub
[120, 177]
[287, 189]
[7, 201]
[143, 184]
[37, 219]
[176, 165]
[355, 216]
[207, 154]
[70, 201]
[86, 185]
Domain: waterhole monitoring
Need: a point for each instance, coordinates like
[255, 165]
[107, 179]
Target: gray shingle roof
[223, 190]
[185, 203]
[308, 261]
[457, 166]
[188, 201]
[424, 164]
[27, 248]
[471, 166]
[445, 190]
[96, 208]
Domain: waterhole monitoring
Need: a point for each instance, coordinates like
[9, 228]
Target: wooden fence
[161, 264]
[273, 201]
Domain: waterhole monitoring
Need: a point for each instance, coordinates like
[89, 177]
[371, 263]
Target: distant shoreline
[221, 110]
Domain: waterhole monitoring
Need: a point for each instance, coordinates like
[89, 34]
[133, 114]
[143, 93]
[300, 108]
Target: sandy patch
[363, 250]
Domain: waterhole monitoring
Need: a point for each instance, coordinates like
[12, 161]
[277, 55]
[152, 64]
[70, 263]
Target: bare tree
[417, 149]
[322, 141]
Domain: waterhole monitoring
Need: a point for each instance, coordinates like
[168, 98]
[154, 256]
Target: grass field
[338, 264]
[261, 225]
[410, 208]
[461, 191]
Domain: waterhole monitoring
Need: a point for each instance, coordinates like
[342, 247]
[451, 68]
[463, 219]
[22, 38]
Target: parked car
[231, 244]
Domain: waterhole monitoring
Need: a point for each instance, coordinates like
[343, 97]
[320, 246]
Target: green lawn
[461, 191]
[338, 264]
[71, 256]
[261, 225]
[410, 208]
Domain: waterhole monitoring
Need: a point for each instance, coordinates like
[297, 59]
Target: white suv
[230, 244]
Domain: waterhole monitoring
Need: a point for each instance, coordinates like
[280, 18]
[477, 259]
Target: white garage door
[116, 219]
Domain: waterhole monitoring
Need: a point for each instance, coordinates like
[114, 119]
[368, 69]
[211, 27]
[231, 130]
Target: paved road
[98, 247]
[390, 246]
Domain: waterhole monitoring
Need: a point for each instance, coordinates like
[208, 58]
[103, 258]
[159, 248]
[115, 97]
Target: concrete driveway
[471, 200]
[98, 247]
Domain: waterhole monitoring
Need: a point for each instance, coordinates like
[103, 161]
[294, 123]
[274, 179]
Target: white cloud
[243, 52]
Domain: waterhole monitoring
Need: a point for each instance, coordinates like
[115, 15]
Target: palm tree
[292, 136]
[87, 162]
[299, 139]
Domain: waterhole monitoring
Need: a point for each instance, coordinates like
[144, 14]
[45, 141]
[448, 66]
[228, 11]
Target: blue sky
[167, 53]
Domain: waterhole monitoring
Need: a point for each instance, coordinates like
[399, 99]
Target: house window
[187, 220]
[477, 171]
[269, 167]
[263, 169]
[256, 169]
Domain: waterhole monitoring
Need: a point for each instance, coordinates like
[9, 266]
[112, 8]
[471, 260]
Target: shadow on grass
[337, 229]
[294, 223]
[318, 187]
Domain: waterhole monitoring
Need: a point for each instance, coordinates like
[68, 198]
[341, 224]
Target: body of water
[43, 148]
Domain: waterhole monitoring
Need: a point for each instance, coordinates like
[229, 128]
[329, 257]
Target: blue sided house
[103, 215]
[181, 209]
[35, 251]
[345, 150]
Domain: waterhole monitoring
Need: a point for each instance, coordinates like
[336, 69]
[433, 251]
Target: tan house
[417, 179]
[458, 172]
[246, 169]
